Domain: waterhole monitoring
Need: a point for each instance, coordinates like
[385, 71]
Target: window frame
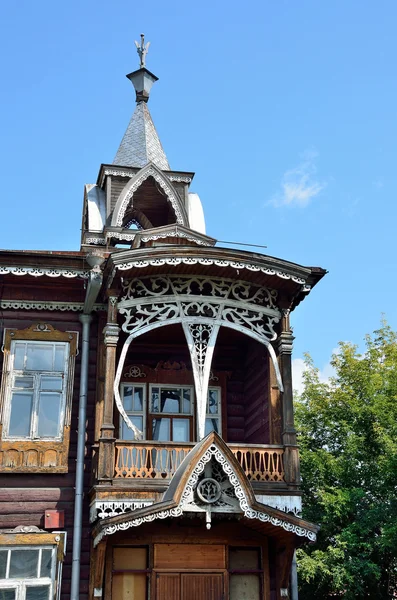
[35, 540]
[129, 413]
[36, 454]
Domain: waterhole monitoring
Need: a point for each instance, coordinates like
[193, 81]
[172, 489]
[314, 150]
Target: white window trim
[20, 585]
[36, 376]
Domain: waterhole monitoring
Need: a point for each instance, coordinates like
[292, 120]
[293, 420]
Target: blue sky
[285, 110]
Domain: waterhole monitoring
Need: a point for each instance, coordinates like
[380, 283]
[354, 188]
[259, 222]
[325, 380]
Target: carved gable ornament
[209, 480]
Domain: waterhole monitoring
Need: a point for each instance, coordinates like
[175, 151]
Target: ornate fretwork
[136, 183]
[134, 371]
[201, 305]
[191, 260]
[103, 510]
[188, 499]
[40, 271]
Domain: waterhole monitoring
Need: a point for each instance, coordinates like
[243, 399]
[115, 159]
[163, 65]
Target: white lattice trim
[52, 306]
[174, 233]
[106, 509]
[249, 513]
[40, 271]
[173, 262]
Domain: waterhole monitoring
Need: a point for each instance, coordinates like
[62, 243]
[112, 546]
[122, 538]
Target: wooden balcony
[160, 460]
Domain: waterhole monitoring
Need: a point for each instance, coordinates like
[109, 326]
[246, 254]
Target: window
[245, 573]
[27, 573]
[130, 573]
[134, 405]
[171, 413]
[168, 416]
[213, 411]
[35, 401]
[37, 395]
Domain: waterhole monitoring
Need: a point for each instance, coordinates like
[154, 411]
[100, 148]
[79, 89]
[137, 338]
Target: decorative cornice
[174, 232]
[179, 179]
[129, 237]
[52, 306]
[95, 240]
[111, 508]
[40, 271]
[188, 260]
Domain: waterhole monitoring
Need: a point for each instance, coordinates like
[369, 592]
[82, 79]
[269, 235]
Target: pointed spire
[141, 143]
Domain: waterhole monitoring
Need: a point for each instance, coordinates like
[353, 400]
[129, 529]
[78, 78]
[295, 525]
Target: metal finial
[142, 50]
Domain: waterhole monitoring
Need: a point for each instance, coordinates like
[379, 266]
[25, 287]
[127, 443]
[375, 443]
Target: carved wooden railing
[160, 460]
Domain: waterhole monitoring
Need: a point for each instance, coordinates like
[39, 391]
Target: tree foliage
[348, 446]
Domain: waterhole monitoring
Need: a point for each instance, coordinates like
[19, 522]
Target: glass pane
[7, 594]
[59, 364]
[126, 432]
[244, 587]
[51, 383]
[49, 409]
[161, 430]
[211, 425]
[23, 563]
[170, 400]
[129, 558]
[127, 398]
[186, 404]
[21, 410]
[39, 357]
[19, 355]
[46, 563]
[181, 430]
[213, 402]
[3, 563]
[242, 558]
[23, 382]
[155, 400]
[39, 592]
[138, 399]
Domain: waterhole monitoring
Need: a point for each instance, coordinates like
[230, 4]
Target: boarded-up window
[129, 578]
[245, 573]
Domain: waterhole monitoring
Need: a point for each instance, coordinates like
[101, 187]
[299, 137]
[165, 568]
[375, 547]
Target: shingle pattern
[140, 143]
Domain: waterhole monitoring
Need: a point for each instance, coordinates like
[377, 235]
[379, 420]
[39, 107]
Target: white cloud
[299, 185]
[299, 367]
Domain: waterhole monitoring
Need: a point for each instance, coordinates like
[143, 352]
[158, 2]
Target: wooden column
[97, 569]
[107, 439]
[288, 435]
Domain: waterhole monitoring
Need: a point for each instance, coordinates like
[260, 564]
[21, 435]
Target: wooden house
[147, 440]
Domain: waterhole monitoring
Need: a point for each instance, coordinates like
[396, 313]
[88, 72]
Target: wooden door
[189, 586]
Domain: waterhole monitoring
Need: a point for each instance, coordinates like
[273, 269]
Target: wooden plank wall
[25, 497]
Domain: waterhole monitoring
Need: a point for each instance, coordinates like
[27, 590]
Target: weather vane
[142, 50]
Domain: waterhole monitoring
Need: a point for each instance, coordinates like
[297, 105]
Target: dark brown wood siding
[256, 401]
[24, 498]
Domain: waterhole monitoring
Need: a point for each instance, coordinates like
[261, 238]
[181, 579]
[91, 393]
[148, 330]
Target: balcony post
[288, 435]
[107, 439]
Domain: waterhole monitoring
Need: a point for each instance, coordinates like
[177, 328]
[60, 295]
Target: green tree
[348, 447]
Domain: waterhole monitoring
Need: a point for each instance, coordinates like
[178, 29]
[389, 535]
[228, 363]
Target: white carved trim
[129, 237]
[175, 261]
[180, 179]
[288, 504]
[135, 183]
[95, 240]
[201, 339]
[174, 233]
[249, 513]
[52, 306]
[105, 509]
[40, 271]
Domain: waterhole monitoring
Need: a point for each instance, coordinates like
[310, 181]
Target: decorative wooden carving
[151, 460]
